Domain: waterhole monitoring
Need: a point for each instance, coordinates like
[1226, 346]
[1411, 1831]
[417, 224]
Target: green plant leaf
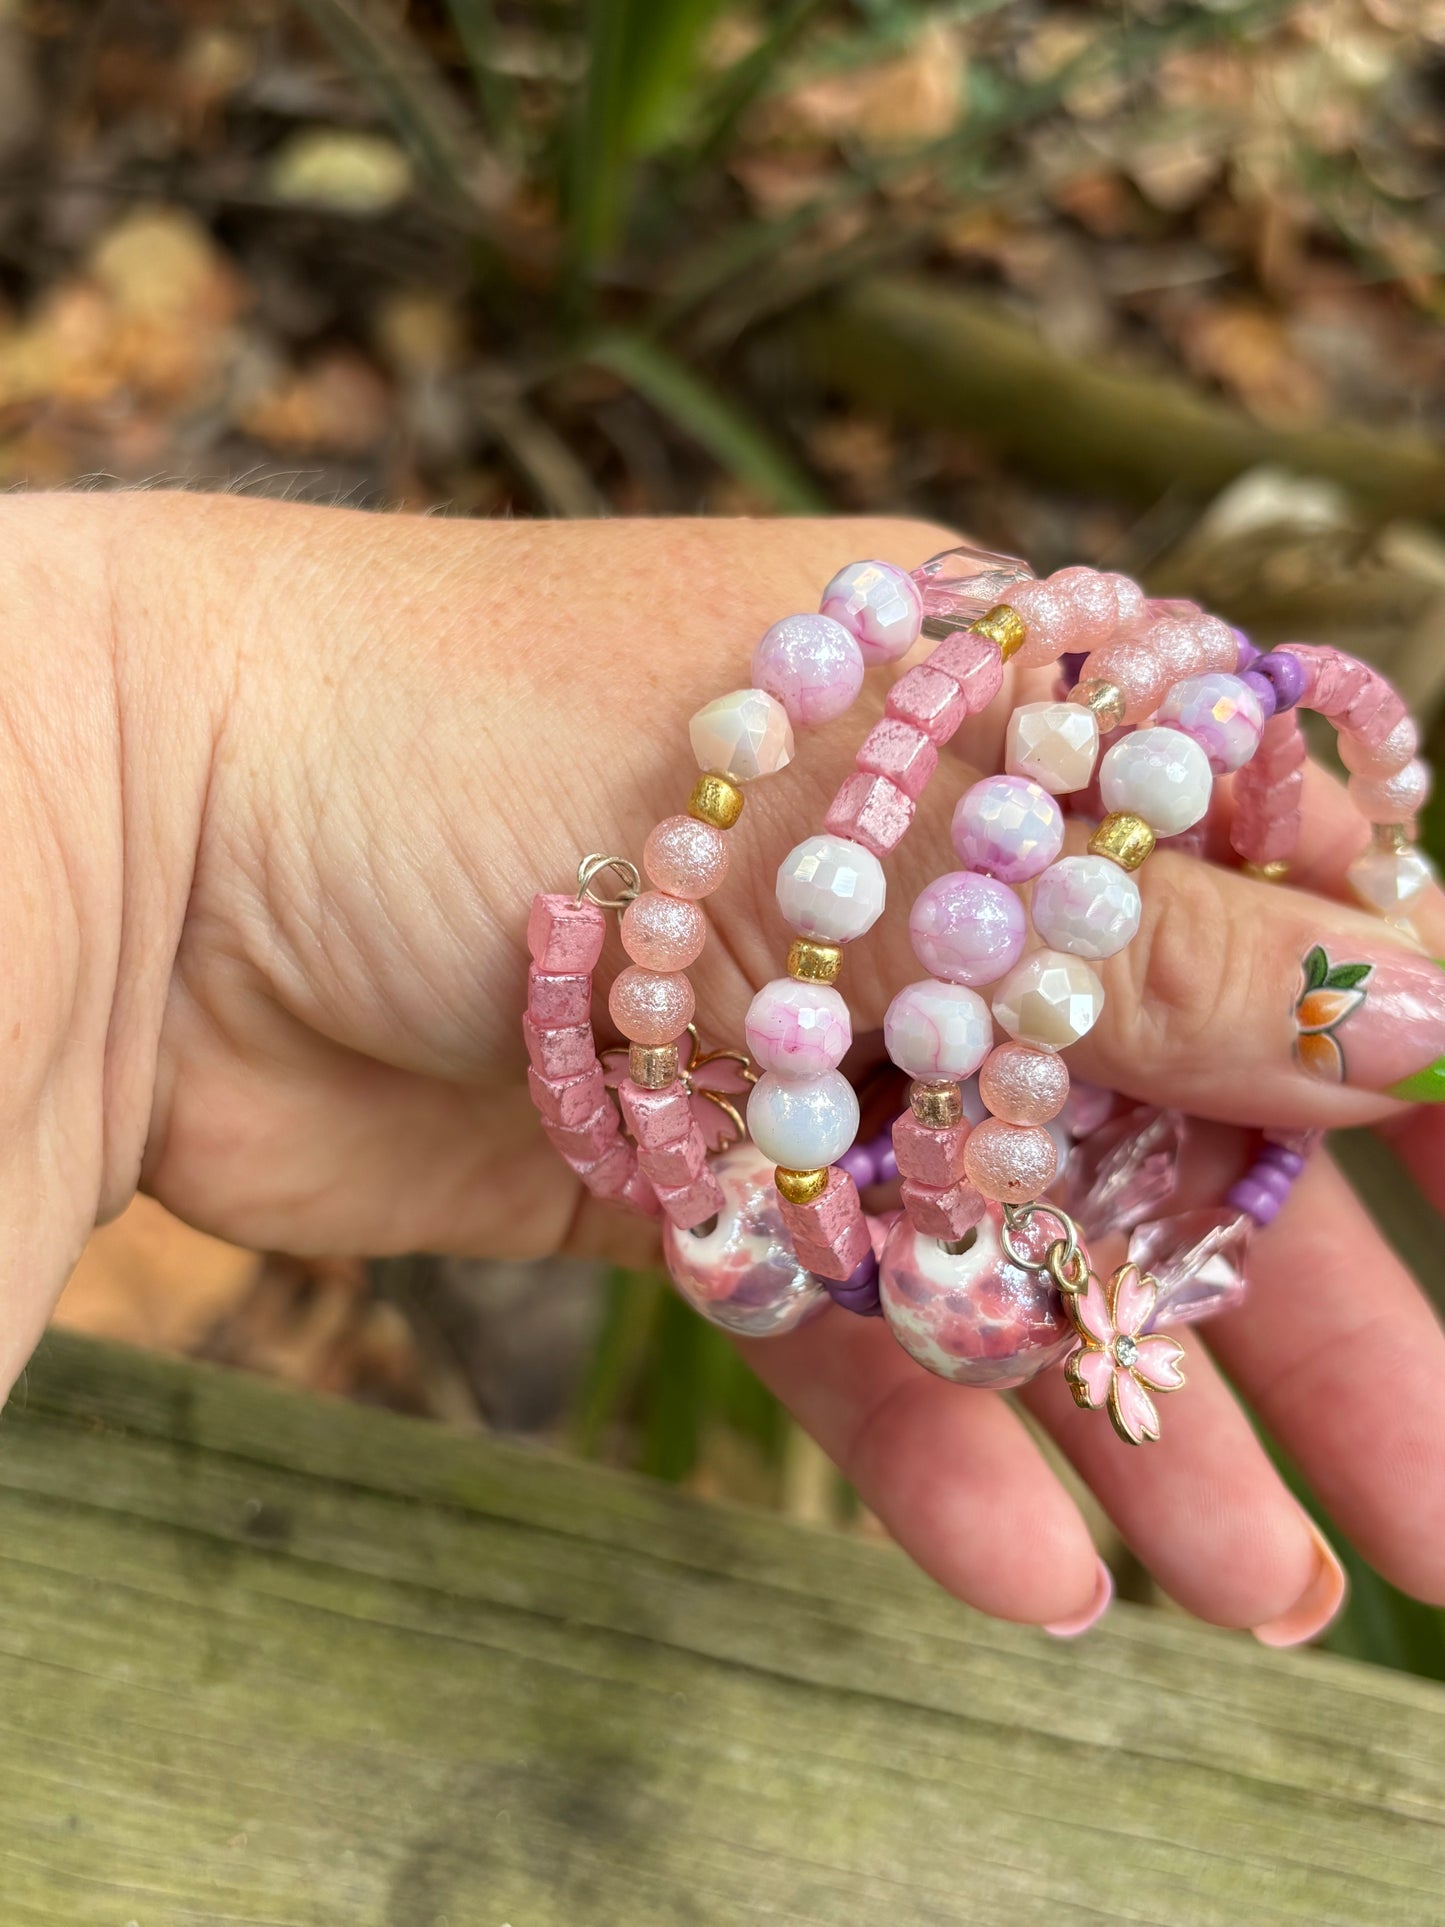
[1347, 976]
[1317, 968]
[476, 25]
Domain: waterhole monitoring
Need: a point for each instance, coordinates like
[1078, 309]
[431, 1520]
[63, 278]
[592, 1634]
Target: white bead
[933, 1029]
[1159, 774]
[1049, 999]
[803, 1123]
[1389, 880]
[1086, 905]
[831, 889]
[1056, 744]
[744, 734]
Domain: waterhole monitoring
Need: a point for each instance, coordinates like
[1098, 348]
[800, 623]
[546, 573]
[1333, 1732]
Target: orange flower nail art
[1327, 995]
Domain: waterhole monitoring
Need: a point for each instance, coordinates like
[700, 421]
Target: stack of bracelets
[982, 1272]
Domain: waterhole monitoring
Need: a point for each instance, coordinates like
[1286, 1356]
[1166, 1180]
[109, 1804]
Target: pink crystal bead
[1395, 748]
[651, 1006]
[932, 702]
[661, 932]
[974, 664]
[798, 1029]
[929, 1153]
[901, 752]
[934, 1029]
[742, 1273]
[812, 665]
[564, 936]
[1023, 1085]
[1392, 799]
[960, 585]
[1008, 827]
[1221, 713]
[830, 1233]
[942, 1210]
[967, 928]
[870, 810]
[1125, 1170]
[879, 604]
[555, 1003]
[685, 858]
[1010, 1163]
[1197, 1260]
[1136, 670]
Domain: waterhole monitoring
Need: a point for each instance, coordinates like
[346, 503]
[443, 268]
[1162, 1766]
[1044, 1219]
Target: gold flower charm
[1328, 993]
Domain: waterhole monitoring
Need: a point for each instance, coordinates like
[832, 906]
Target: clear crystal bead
[960, 585]
[1390, 880]
[1197, 1261]
[1126, 1171]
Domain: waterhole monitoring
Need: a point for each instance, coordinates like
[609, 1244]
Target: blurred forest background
[1153, 286]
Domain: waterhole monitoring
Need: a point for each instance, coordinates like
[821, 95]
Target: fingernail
[1316, 1606]
[1376, 1023]
[1092, 1613]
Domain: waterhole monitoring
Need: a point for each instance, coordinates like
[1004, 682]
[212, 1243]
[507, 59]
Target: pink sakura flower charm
[1116, 1367]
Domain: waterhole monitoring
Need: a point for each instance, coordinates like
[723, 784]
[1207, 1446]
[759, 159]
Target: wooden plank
[270, 1660]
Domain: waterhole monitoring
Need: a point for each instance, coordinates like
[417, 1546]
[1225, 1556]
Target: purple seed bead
[858, 1292]
[1275, 1182]
[1287, 674]
[885, 1164]
[1249, 653]
[1254, 1201]
[1282, 1159]
[1264, 689]
[858, 1163]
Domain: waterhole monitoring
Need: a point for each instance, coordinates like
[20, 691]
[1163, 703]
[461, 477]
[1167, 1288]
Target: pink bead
[655, 1117]
[832, 1229]
[569, 1052]
[742, 1273]
[1022, 1085]
[609, 1175]
[1367, 755]
[691, 1203]
[1392, 799]
[942, 1211]
[1136, 670]
[555, 1003]
[880, 605]
[901, 752]
[585, 1144]
[1221, 713]
[1093, 605]
[812, 665]
[685, 858]
[1048, 622]
[975, 664]
[1012, 1163]
[651, 1006]
[1176, 642]
[870, 810]
[1130, 602]
[967, 929]
[930, 701]
[797, 1029]
[678, 1163]
[1008, 827]
[630, 1191]
[564, 936]
[662, 932]
[1218, 645]
[568, 1100]
[927, 1153]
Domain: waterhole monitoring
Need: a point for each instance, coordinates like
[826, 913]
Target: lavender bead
[885, 1163]
[1283, 1159]
[1008, 827]
[1264, 689]
[1221, 713]
[858, 1162]
[1254, 1201]
[1286, 674]
[1249, 652]
[967, 929]
[812, 665]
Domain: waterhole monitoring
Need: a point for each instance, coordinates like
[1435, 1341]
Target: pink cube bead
[567, 1052]
[974, 663]
[568, 1100]
[930, 701]
[942, 1211]
[870, 810]
[831, 1229]
[656, 1118]
[676, 1164]
[556, 1003]
[606, 1176]
[901, 752]
[691, 1203]
[927, 1153]
[636, 1195]
[584, 1143]
[564, 936]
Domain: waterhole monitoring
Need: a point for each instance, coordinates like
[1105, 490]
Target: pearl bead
[1135, 670]
[685, 858]
[936, 1029]
[742, 1274]
[650, 1006]
[803, 1123]
[1087, 906]
[1219, 712]
[1022, 1085]
[1392, 799]
[746, 734]
[1053, 744]
[1158, 774]
[1050, 999]
[801, 1029]
[966, 928]
[662, 932]
[1389, 880]
[1379, 759]
[1008, 828]
[880, 605]
[812, 665]
[831, 888]
[1011, 1163]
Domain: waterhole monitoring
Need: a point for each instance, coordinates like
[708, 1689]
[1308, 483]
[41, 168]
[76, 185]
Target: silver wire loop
[1064, 1261]
[592, 867]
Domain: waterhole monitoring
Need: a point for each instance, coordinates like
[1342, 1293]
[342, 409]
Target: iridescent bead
[967, 928]
[803, 1123]
[1392, 799]
[662, 932]
[936, 1029]
[831, 888]
[1023, 1085]
[650, 1006]
[798, 1028]
[1219, 712]
[1390, 880]
[1054, 745]
[1384, 758]
[741, 1272]
[1086, 905]
[1008, 827]
[685, 858]
[812, 665]
[1159, 774]
[1010, 1163]
[746, 734]
[878, 603]
[1050, 999]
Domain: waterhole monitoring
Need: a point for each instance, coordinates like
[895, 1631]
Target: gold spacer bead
[1105, 699]
[1275, 872]
[1124, 838]
[715, 799]
[652, 1066]
[1002, 625]
[936, 1102]
[800, 1187]
[814, 963]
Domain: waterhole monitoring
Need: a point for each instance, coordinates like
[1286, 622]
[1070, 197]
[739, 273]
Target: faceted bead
[650, 1006]
[1008, 827]
[831, 888]
[960, 585]
[967, 928]
[1219, 712]
[742, 1273]
[1126, 1169]
[812, 665]
[878, 603]
[661, 932]
[685, 858]
[870, 810]
[1393, 751]
[803, 1123]
[901, 752]
[746, 734]
[1390, 880]
[1197, 1260]
[1158, 774]
[798, 1028]
[1053, 744]
[1086, 905]
[1010, 1163]
[1050, 999]
[1022, 1085]
[934, 1029]
[1392, 799]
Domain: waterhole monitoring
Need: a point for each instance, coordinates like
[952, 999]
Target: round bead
[1008, 827]
[1086, 905]
[1264, 689]
[798, 1028]
[1053, 744]
[1050, 1000]
[1286, 672]
[1384, 758]
[934, 1029]
[1022, 1085]
[831, 888]
[685, 858]
[1135, 670]
[741, 1273]
[1392, 799]
[858, 1164]
[650, 1006]
[803, 1123]
[1219, 712]
[966, 928]
[662, 932]
[812, 665]
[1159, 774]
[746, 734]
[1011, 1163]
[880, 605]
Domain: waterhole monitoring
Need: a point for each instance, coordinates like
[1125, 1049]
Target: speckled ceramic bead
[662, 932]
[746, 733]
[967, 928]
[741, 1273]
[812, 665]
[685, 858]
[880, 605]
[1160, 775]
[1007, 827]
[1010, 1163]
[650, 1006]
[831, 888]
[934, 1029]
[1055, 745]
[1050, 999]
[1087, 906]
[1392, 799]
[1221, 713]
[1023, 1085]
[803, 1123]
[800, 1029]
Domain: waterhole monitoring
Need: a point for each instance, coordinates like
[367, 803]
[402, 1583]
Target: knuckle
[1193, 964]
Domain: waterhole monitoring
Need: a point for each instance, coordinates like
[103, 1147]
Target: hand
[280, 783]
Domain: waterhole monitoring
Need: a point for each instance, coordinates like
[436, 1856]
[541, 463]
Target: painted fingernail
[1316, 1606]
[1376, 1023]
[1092, 1613]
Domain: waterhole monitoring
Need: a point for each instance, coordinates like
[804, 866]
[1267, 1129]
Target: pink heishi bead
[651, 1006]
[662, 932]
[797, 1029]
[1392, 799]
[942, 1211]
[636, 1195]
[692, 1203]
[1023, 1085]
[655, 1117]
[930, 701]
[929, 1154]
[1380, 753]
[685, 858]
[870, 810]
[560, 1053]
[677, 1164]
[564, 936]
[813, 665]
[1011, 1163]
[1048, 622]
[584, 1143]
[554, 1003]
[831, 1228]
[878, 603]
[1136, 670]
[568, 1100]
[901, 752]
[974, 663]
